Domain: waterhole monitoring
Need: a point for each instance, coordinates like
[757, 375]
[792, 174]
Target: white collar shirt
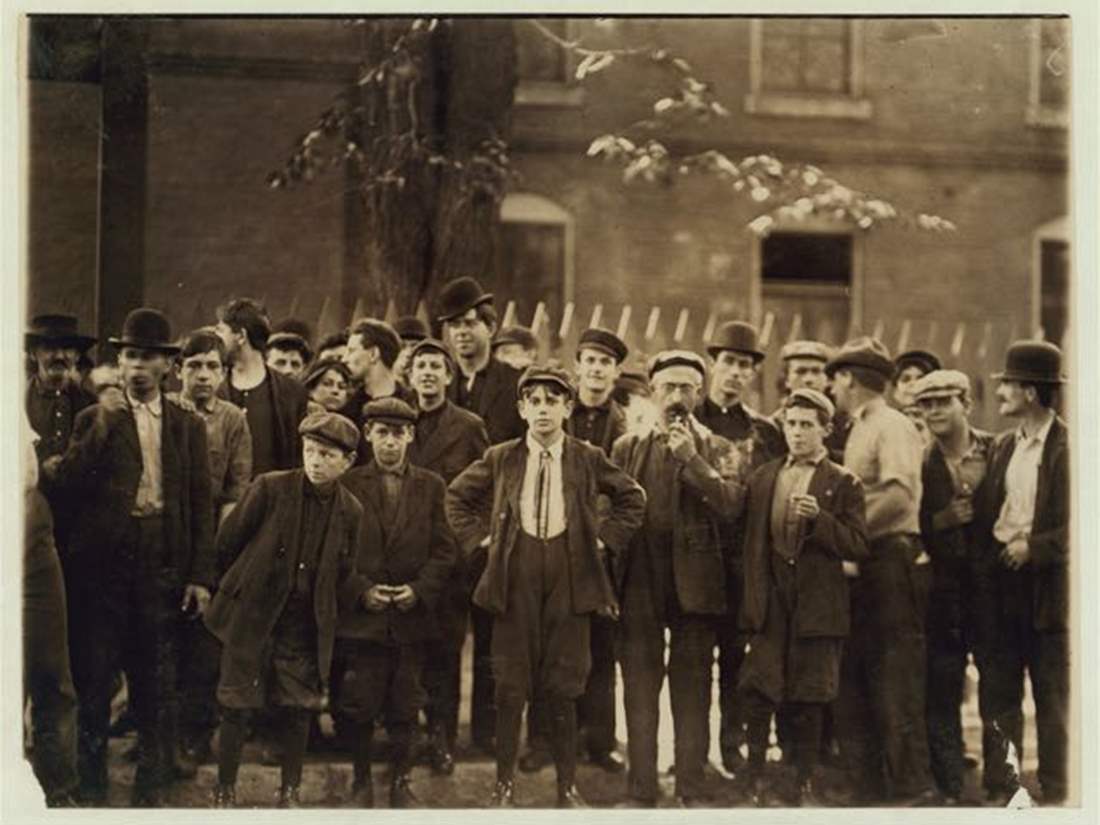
[148, 418]
[554, 511]
[1021, 485]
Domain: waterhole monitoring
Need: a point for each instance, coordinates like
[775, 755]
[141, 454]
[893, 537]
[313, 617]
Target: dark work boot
[401, 795]
[225, 796]
[503, 795]
[289, 797]
[570, 797]
[440, 757]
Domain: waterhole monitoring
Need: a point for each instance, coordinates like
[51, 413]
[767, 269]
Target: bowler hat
[390, 409]
[604, 340]
[923, 360]
[411, 328]
[738, 337]
[866, 352]
[1032, 362]
[546, 375]
[515, 335]
[331, 428]
[57, 329]
[459, 296]
[146, 328]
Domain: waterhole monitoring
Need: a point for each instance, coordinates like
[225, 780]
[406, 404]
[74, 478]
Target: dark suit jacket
[459, 439]
[838, 533]
[416, 548]
[616, 426]
[252, 548]
[289, 406]
[485, 501]
[704, 498]
[496, 405]
[1049, 542]
[104, 468]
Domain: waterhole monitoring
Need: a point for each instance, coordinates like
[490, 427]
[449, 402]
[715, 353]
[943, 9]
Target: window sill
[795, 105]
[546, 93]
[1047, 117]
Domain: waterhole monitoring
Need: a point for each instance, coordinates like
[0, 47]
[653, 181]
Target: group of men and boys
[286, 534]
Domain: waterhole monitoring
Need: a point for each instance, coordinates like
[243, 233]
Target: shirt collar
[555, 449]
[398, 471]
[813, 460]
[868, 407]
[156, 406]
[1041, 434]
[581, 407]
[736, 408]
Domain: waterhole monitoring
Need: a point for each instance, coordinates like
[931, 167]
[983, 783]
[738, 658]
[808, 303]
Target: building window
[807, 67]
[545, 69]
[1048, 102]
[1054, 289]
[535, 256]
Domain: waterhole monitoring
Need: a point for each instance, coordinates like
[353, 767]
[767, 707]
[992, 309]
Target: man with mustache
[735, 359]
[675, 575]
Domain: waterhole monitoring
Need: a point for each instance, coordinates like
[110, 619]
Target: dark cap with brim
[331, 428]
[868, 353]
[546, 375]
[605, 341]
[390, 410]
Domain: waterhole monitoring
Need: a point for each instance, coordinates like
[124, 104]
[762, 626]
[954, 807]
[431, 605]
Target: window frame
[853, 105]
[1055, 230]
[1041, 115]
[552, 93]
[532, 208]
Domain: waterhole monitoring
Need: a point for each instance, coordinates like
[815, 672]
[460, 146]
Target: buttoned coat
[701, 560]
[1049, 541]
[416, 549]
[496, 405]
[485, 501]
[254, 546]
[839, 533]
[102, 468]
[458, 440]
[289, 405]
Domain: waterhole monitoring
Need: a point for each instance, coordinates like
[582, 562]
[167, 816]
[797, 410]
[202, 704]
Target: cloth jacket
[616, 426]
[103, 468]
[1049, 542]
[485, 501]
[416, 548]
[705, 498]
[252, 548]
[459, 439]
[289, 406]
[838, 533]
[496, 405]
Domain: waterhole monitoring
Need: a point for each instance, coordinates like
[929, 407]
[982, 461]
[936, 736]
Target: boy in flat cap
[405, 557]
[530, 505]
[676, 575]
[955, 465]
[289, 552]
[805, 516]
[516, 346]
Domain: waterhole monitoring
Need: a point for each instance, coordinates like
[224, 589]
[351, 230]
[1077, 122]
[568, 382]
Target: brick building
[149, 155]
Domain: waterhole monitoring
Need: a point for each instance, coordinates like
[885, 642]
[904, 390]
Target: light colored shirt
[1021, 484]
[148, 419]
[884, 448]
[968, 469]
[229, 448]
[793, 479]
[554, 512]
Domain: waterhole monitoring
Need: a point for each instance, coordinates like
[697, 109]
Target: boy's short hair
[202, 341]
[379, 334]
[249, 315]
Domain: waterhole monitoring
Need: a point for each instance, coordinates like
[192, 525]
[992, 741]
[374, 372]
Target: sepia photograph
[590, 412]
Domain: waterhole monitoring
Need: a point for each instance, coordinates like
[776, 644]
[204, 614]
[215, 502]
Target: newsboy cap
[603, 340]
[411, 328]
[923, 360]
[430, 345]
[546, 375]
[677, 358]
[515, 335]
[738, 337]
[289, 340]
[814, 398]
[319, 368]
[330, 428]
[458, 297]
[804, 349]
[1032, 362]
[866, 352]
[390, 410]
[941, 384]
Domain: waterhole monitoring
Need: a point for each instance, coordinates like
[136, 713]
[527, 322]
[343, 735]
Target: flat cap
[677, 358]
[866, 352]
[804, 349]
[813, 398]
[331, 428]
[391, 410]
[430, 345]
[633, 382]
[515, 335]
[318, 370]
[923, 360]
[289, 340]
[411, 328]
[940, 384]
[603, 340]
[546, 375]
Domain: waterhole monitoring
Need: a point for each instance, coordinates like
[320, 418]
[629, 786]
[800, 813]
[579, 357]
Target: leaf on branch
[602, 144]
[682, 65]
[719, 109]
[664, 104]
[594, 62]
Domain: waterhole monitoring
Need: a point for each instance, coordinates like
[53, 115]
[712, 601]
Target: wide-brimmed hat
[458, 297]
[1032, 362]
[62, 330]
[738, 337]
[146, 328]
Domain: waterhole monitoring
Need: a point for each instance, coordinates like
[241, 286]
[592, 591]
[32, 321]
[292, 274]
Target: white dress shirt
[147, 418]
[1021, 485]
[529, 517]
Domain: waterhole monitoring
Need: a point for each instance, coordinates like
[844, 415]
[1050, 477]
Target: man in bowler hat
[141, 554]
[1023, 567]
